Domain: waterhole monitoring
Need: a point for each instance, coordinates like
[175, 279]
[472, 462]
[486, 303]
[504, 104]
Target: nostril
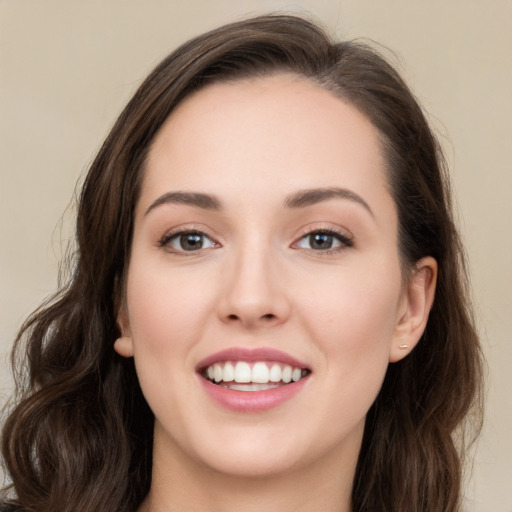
[268, 316]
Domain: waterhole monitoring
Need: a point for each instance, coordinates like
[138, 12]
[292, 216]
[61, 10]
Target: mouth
[252, 376]
[252, 380]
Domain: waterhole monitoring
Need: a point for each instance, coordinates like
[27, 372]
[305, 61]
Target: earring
[403, 347]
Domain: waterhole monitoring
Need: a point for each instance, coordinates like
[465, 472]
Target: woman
[268, 304]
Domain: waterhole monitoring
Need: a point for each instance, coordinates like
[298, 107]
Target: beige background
[68, 66]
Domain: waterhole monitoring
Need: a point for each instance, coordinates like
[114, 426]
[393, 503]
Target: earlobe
[419, 297]
[124, 346]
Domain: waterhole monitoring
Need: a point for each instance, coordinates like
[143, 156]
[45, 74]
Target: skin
[258, 282]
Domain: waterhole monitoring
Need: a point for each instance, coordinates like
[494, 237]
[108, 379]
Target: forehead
[267, 135]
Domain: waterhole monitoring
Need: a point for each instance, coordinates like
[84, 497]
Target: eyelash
[344, 240]
[165, 241]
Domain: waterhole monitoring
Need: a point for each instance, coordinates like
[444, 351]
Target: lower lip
[252, 401]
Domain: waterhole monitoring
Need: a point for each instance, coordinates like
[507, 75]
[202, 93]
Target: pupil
[320, 241]
[191, 241]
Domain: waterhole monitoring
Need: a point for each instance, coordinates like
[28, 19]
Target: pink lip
[250, 355]
[251, 401]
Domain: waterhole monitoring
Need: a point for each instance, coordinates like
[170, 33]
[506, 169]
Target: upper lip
[251, 355]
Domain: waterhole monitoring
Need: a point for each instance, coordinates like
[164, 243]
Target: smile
[252, 380]
[253, 376]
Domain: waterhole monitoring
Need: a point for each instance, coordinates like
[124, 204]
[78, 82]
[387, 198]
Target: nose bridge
[254, 293]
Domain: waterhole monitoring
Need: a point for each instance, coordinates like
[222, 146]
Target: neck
[180, 483]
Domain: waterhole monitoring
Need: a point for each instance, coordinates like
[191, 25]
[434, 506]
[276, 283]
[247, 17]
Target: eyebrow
[308, 197]
[300, 199]
[204, 201]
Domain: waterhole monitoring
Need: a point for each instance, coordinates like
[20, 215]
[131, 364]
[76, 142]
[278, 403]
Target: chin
[257, 451]
[254, 464]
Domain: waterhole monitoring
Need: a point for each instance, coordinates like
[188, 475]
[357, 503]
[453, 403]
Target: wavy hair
[79, 434]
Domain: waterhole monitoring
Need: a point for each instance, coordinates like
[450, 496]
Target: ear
[124, 344]
[415, 308]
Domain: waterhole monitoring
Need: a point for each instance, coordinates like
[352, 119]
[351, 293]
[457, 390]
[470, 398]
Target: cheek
[355, 299]
[166, 308]
[353, 320]
[166, 311]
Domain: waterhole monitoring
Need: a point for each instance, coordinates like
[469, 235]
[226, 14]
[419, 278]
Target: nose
[254, 294]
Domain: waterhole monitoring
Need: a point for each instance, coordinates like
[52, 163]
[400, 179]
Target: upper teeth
[258, 372]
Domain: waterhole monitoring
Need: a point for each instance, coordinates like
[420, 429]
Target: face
[264, 296]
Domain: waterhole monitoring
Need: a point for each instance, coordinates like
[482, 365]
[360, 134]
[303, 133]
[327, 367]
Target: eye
[324, 240]
[187, 241]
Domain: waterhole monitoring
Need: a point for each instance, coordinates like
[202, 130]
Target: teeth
[260, 373]
[251, 387]
[242, 372]
[229, 373]
[217, 372]
[286, 376]
[275, 373]
[259, 377]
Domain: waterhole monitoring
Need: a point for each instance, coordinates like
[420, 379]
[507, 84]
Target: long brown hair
[79, 436]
